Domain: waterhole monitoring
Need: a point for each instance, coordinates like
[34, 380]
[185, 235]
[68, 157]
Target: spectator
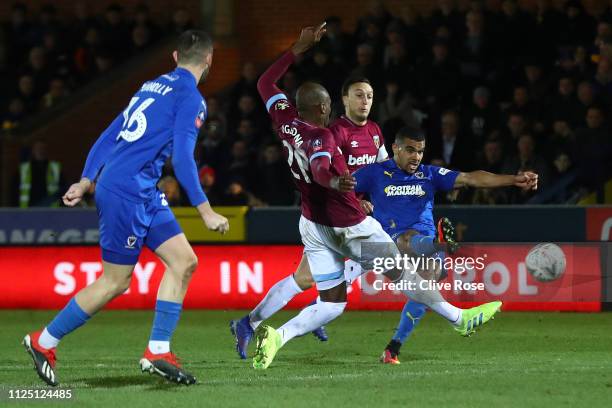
[367, 67]
[273, 177]
[338, 44]
[323, 70]
[565, 103]
[492, 156]
[208, 180]
[114, 31]
[481, 117]
[171, 190]
[398, 104]
[246, 85]
[40, 179]
[180, 22]
[141, 39]
[57, 92]
[26, 93]
[451, 146]
[526, 160]
[585, 100]
[14, 115]
[439, 78]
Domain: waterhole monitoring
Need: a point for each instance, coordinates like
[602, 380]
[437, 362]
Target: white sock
[310, 318]
[277, 297]
[159, 347]
[432, 298]
[448, 311]
[352, 271]
[47, 341]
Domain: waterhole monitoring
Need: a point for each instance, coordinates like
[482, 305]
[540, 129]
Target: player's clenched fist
[526, 180]
[76, 192]
[213, 220]
[217, 222]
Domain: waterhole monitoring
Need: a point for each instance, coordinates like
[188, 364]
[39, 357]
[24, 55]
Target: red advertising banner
[599, 224]
[238, 276]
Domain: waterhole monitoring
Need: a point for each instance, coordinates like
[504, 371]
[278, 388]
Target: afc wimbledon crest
[281, 105]
[376, 139]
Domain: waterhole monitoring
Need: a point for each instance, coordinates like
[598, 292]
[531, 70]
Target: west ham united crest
[376, 139]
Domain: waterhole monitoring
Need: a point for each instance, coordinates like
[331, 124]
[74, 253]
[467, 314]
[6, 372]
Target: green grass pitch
[520, 359]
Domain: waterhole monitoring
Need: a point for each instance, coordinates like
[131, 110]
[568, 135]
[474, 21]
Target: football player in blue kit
[402, 192]
[161, 120]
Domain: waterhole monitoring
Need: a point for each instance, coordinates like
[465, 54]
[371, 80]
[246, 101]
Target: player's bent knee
[303, 279]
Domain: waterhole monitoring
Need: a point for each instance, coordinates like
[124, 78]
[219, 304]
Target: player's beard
[204, 74]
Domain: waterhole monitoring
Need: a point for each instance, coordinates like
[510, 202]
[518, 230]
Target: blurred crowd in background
[495, 87]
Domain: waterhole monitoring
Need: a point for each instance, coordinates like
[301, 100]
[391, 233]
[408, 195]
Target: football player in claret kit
[161, 120]
[361, 142]
[402, 192]
[333, 226]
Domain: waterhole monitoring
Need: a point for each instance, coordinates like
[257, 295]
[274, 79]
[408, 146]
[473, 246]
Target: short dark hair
[410, 132]
[192, 46]
[353, 80]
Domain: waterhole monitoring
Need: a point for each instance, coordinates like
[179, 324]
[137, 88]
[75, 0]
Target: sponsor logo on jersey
[376, 139]
[443, 171]
[388, 173]
[354, 143]
[409, 190]
[361, 160]
[131, 240]
[281, 105]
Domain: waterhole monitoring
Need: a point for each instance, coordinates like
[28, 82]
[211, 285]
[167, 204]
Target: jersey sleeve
[102, 148]
[382, 153]
[322, 144]
[339, 136]
[364, 177]
[281, 110]
[190, 114]
[277, 104]
[442, 178]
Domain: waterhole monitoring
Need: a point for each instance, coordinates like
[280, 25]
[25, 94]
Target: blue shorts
[126, 225]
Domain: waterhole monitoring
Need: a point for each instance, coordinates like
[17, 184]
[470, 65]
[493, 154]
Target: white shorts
[327, 247]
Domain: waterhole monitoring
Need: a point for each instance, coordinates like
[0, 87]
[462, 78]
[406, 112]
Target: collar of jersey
[181, 70]
[392, 165]
[353, 123]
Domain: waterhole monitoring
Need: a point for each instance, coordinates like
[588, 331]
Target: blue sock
[70, 318]
[411, 316]
[167, 315]
[422, 245]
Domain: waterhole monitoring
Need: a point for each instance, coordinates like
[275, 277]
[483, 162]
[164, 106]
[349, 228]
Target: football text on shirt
[410, 190]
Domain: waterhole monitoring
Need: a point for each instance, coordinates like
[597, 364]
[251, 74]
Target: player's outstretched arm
[483, 179]
[266, 85]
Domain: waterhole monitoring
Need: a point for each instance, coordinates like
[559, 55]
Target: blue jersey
[401, 200]
[161, 120]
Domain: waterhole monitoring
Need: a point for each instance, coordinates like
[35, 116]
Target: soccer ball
[545, 262]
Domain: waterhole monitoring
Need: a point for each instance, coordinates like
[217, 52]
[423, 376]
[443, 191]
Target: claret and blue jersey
[401, 200]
